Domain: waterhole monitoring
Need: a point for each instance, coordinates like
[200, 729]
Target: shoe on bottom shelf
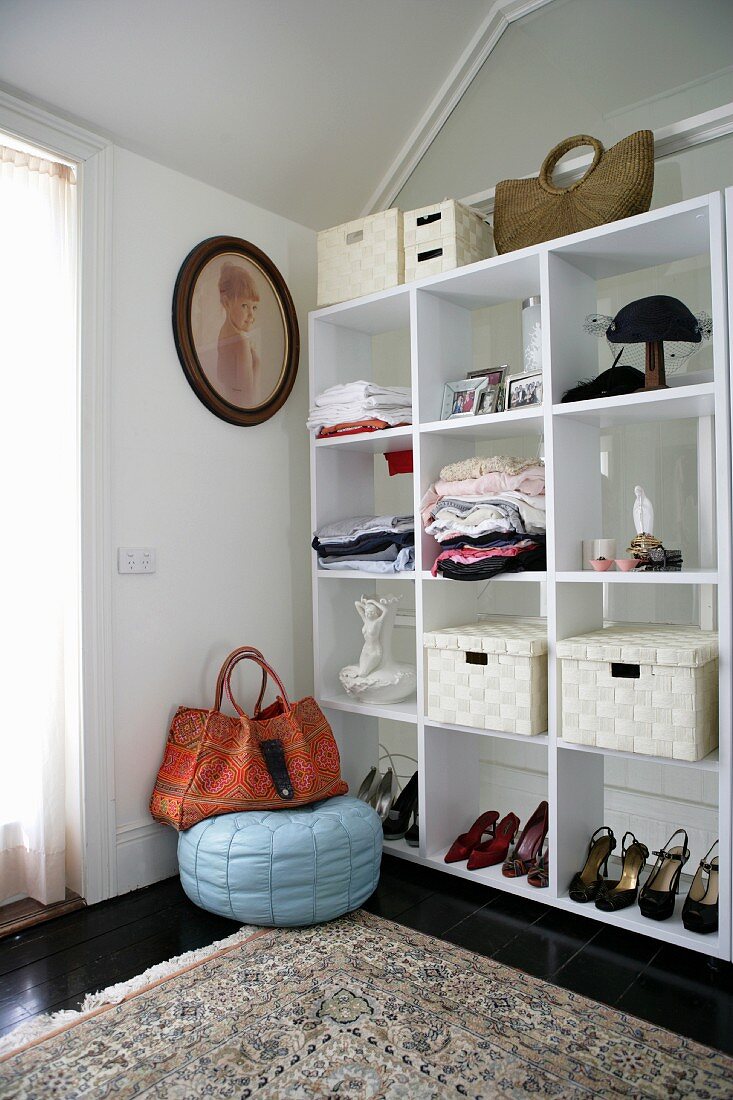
[539, 873]
[491, 852]
[622, 893]
[369, 785]
[657, 895]
[586, 884]
[529, 844]
[412, 836]
[700, 911]
[398, 819]
[465, 843]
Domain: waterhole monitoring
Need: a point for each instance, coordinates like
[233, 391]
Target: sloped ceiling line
[502, 15]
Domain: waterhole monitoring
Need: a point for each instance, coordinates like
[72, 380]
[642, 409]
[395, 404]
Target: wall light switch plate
[131, 559]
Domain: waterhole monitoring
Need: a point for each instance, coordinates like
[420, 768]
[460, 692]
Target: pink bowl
[601, 564]
[627, 564]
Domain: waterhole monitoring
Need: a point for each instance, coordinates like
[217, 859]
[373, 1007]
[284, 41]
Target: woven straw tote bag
[616, 185]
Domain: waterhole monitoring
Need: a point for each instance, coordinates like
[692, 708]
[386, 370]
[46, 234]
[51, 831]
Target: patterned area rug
[360, 1008]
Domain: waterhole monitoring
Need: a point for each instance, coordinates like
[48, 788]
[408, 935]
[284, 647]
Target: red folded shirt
[355, 427]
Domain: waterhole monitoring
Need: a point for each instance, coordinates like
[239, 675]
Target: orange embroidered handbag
[285, 755]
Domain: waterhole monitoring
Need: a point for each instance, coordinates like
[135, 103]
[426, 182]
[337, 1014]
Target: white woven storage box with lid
[361, 257]
[492, 675]
[441, 237]
[652, 690]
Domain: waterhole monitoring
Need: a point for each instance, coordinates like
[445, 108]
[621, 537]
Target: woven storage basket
[441, 237]
[651, 690]
[361, 257]
[492, 675]
[617, 184]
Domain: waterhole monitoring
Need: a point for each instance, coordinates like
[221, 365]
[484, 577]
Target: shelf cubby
[674, 442]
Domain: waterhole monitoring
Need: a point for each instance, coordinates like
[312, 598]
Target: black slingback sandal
[657, 895]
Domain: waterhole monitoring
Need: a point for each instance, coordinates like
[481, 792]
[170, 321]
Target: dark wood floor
[54, 965]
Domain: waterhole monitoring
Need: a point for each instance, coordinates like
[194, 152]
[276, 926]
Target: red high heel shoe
[529, 844]
[464, 844]
[494, 851]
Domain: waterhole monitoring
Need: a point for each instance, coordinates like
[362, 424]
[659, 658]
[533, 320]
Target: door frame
[92, 156]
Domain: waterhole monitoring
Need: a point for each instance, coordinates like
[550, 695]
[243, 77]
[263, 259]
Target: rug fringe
[40, 1026]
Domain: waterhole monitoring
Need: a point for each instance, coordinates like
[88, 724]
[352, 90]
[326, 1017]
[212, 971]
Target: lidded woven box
[491, 674]
[646, 689]
[361, 257]
[443, 236]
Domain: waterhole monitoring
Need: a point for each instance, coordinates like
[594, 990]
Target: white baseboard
[146, 853]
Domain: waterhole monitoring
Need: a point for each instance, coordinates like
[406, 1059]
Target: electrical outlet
[131, 559]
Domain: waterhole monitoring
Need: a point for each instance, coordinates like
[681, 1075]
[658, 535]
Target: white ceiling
[299, 106]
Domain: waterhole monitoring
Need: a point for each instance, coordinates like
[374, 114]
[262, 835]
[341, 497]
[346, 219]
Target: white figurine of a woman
[372, 615]
[378, 678]
[643, 512]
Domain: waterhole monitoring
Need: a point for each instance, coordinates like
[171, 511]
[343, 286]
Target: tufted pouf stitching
[244, 866]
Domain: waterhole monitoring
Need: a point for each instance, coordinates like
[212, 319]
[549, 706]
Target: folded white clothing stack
[354, 402]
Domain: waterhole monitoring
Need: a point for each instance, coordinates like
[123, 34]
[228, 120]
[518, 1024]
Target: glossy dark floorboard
[52, 967]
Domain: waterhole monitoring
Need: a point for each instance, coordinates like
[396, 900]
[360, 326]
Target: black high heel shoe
[586, 883]
[657, 895]
[613, 896]
[412, 836]
[399, 817]
[700, 911]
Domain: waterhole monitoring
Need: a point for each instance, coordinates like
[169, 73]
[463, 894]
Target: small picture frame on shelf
[488, 401]
[494, 375]
[524, 390]
[462, 398]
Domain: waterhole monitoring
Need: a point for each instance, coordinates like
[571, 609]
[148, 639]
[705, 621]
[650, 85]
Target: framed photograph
[235, 330]
[462, 398]
[489, 400]
[494, 375]
[524, 390]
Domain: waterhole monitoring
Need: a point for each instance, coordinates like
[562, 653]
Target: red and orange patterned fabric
[213, 763]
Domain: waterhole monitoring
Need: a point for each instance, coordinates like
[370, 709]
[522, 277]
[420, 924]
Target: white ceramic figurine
[378, 678]
[643, 512]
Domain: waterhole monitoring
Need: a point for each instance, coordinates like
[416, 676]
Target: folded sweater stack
[488, 514]
[370, 544]
[357, 407]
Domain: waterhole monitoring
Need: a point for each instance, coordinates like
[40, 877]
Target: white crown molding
[28, 121]
[502, 14]
[668, 141]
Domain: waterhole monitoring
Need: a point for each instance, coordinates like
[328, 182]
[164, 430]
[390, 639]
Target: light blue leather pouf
[284, 867]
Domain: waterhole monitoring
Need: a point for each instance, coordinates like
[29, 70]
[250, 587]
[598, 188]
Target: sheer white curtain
[39, 510]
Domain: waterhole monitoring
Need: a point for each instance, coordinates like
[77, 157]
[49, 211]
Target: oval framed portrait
[235, 330]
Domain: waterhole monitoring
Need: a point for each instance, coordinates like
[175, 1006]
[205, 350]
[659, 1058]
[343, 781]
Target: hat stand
[654, 366]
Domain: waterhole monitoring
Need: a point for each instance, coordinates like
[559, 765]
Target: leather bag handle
[234, 657]
[249, 653]
[563, 147]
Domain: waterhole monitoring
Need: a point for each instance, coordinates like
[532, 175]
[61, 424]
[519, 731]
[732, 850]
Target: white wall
[226, 508]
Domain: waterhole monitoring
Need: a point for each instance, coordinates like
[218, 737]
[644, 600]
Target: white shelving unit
[437, 312]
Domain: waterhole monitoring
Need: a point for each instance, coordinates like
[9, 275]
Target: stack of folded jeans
[488, 515]
[369, 544]
[357, 407]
